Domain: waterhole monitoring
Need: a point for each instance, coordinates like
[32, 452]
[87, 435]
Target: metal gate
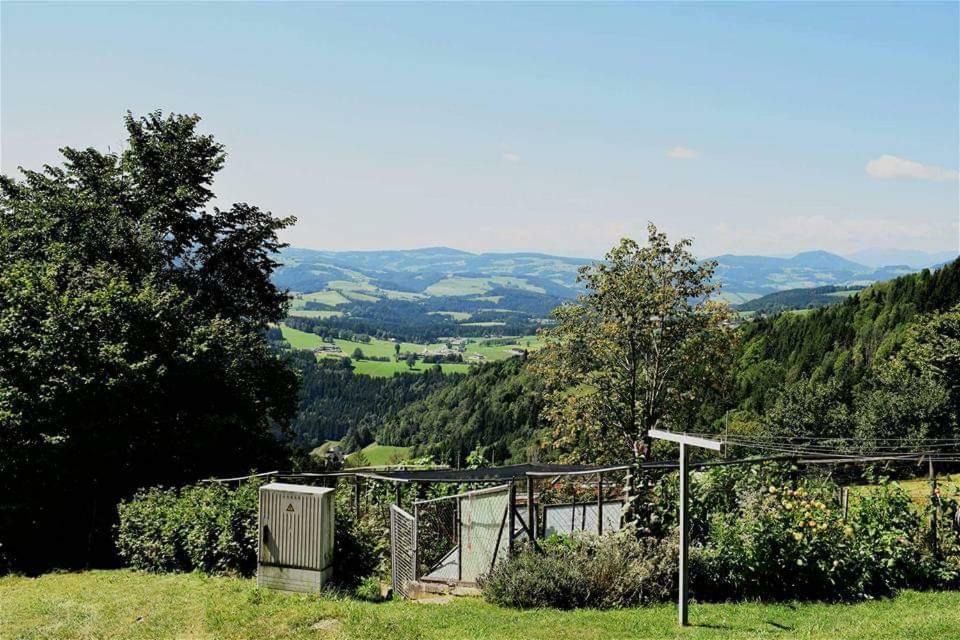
[403, 546]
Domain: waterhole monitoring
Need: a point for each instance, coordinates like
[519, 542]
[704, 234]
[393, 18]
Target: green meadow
[126, 605]
[381, 454]
[489, 349]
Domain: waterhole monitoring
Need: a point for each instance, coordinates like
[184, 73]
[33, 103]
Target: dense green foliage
[495, 407]
[203, 527]
[335, 404]
[841, 342]
[132, 347]
[646, 347]
[759, 532]
[211, 528]
[789, 540]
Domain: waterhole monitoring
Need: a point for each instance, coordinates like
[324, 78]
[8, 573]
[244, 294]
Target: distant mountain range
[441, 271]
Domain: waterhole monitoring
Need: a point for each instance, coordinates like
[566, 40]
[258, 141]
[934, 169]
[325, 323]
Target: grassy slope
[384, 348]
[123, 604]
[380, 454]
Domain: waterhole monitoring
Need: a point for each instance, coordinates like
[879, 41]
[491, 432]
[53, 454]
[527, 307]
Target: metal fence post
[531, 512]
[599, 504]
[512, 500]
[934, 507]
[684, 533]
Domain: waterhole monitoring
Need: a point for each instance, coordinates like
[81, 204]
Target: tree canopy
[132, 335]
[640, 349]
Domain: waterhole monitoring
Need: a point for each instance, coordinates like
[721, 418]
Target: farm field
[386, 349]
[382, 454]
[315, 313]
[387, 369]
[122, 605]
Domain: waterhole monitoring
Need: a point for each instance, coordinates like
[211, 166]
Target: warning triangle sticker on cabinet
[290, 508]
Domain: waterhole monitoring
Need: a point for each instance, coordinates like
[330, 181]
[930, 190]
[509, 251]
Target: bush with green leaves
[212, 528]
[616, 570]
[206, 527]
[790, 541]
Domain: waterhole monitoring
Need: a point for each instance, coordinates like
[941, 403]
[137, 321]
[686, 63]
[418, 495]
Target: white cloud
[888, 167]
[511, 157]
[683, 153]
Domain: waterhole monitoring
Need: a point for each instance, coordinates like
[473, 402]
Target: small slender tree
[640, 349]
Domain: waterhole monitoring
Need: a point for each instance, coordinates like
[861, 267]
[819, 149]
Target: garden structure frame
[444, 542]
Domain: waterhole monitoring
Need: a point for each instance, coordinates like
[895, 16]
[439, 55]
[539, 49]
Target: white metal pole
[684, 534]
[694, 441]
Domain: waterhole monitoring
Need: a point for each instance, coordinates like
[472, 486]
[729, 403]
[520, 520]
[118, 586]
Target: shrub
[205, 527]
[780, 543]
[369, 590]
[615, 570]
[788, 542]
[357, 549]
[213, 529]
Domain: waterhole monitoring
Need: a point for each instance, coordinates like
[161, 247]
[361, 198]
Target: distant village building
[327, 348]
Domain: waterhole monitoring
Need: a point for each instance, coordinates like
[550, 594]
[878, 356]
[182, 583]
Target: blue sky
[754, 128]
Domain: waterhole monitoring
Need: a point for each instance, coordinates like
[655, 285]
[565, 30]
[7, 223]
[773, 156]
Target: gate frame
[398, 584]
[507, 517]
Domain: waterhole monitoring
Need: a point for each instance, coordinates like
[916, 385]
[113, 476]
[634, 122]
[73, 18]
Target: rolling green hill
[794, 299]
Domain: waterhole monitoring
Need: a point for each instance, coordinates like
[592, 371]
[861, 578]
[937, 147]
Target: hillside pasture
[386, 369]
[459, 286]
[378, 455]
[456, 315]
[315, 313]
[326, 296]
[378, 348]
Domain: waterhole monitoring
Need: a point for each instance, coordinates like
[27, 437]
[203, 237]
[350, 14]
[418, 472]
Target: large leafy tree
[132, 349]
[644, 347]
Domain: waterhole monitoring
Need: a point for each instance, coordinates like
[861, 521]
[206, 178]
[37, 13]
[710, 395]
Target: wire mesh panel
[438, 535]
[484, 536]
[567, 518]
[403, 545]
[461, 537]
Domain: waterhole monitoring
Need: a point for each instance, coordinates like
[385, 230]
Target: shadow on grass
[742, 629]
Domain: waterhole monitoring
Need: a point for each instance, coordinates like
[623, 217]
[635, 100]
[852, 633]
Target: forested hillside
[839, 343]
[335, 404]
[790, 299]
[826, 372]
[494, 408]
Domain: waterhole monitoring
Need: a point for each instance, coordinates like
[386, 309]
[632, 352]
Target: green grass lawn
[919, 488]
[121, 605]
[300, 339]
[381, 454]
